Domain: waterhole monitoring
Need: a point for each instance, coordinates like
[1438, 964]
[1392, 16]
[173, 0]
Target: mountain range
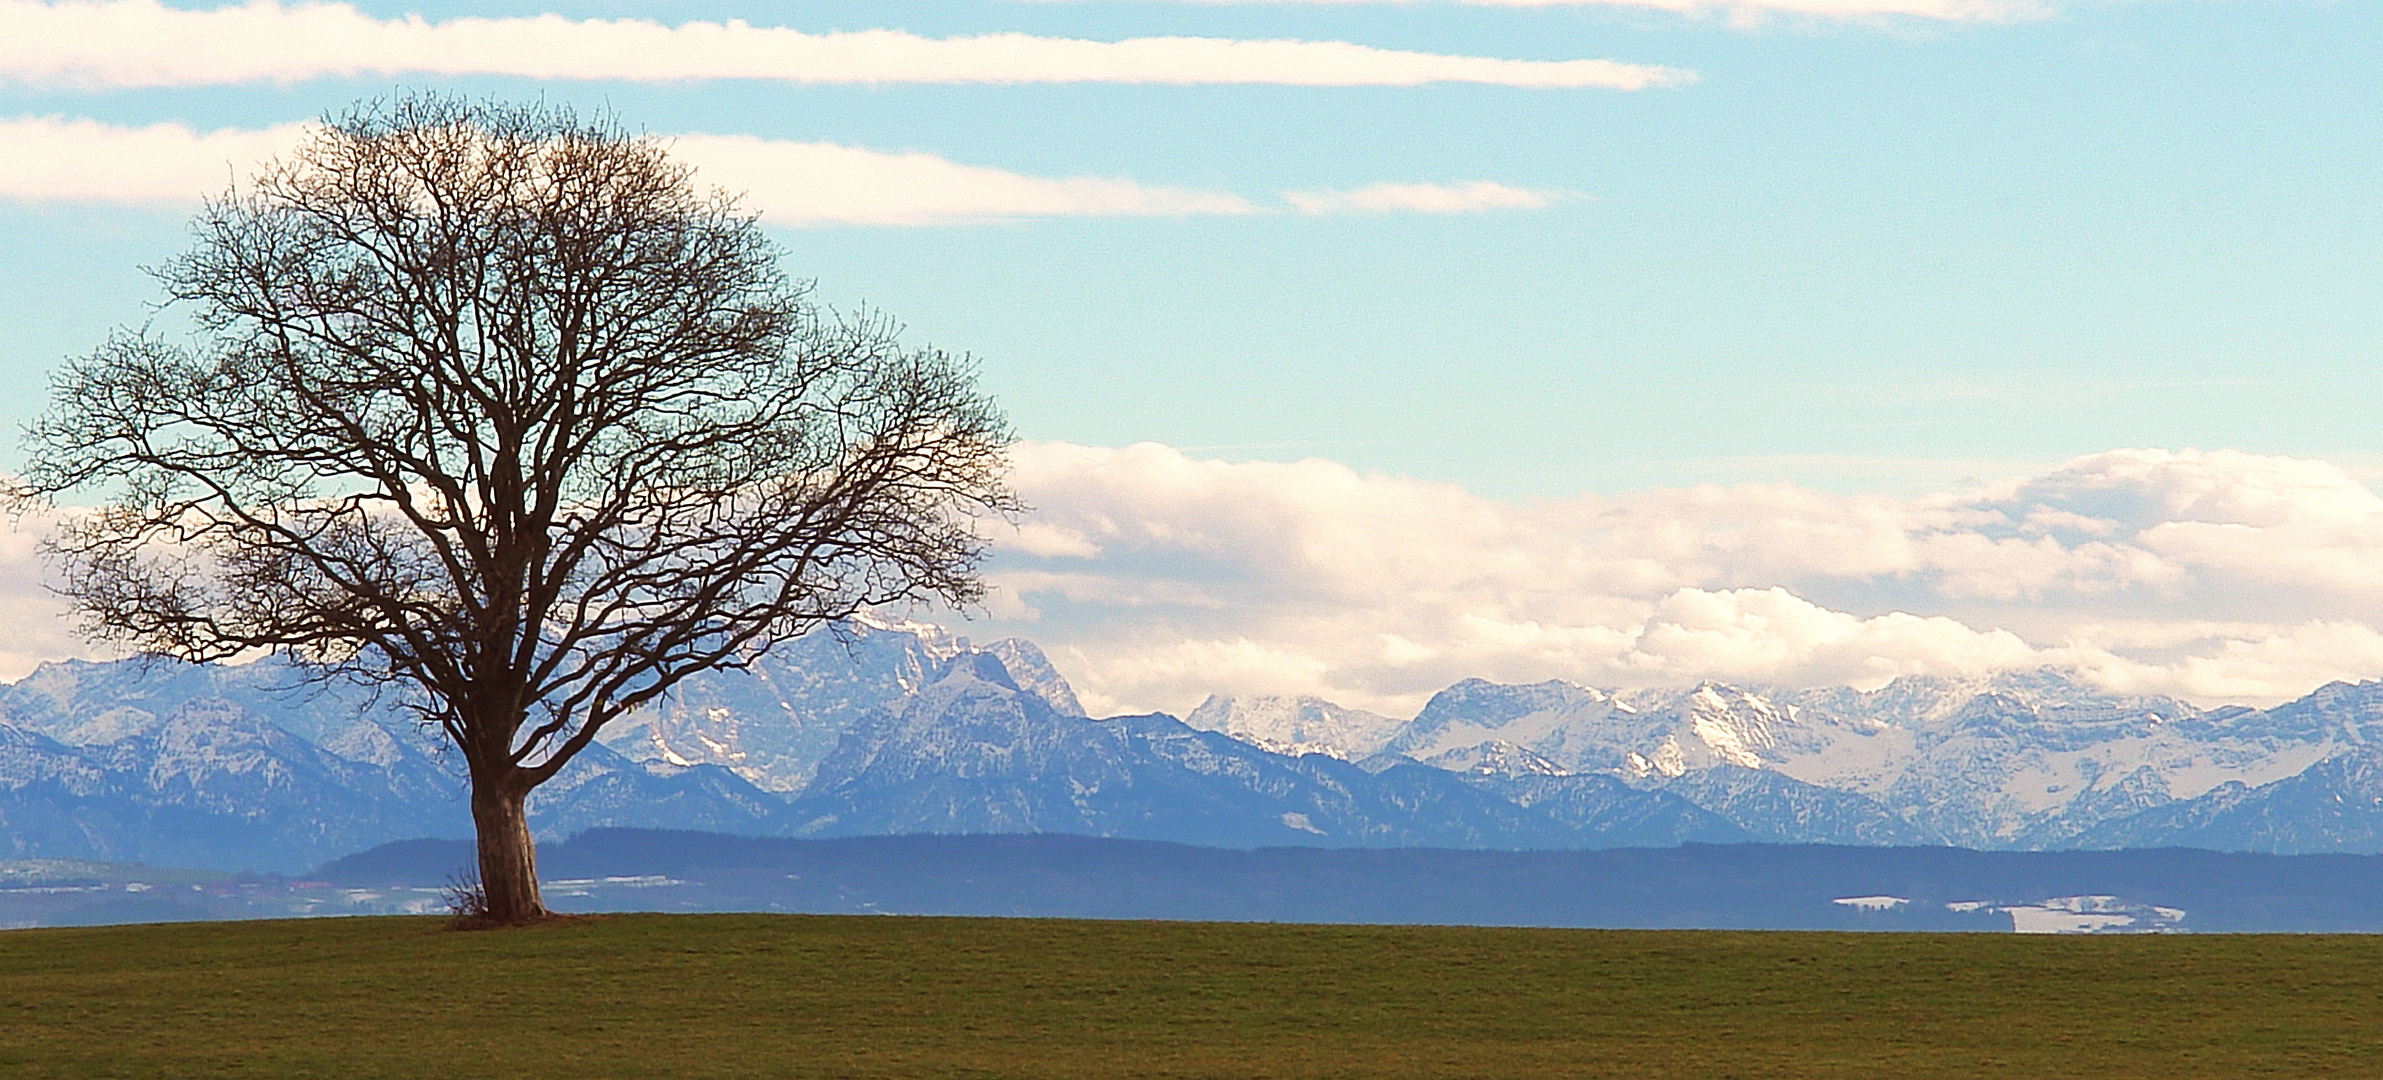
[889, 727]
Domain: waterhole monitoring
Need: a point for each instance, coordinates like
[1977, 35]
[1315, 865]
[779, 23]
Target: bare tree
[494, 406]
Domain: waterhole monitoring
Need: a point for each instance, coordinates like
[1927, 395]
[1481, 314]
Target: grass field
[798, 996]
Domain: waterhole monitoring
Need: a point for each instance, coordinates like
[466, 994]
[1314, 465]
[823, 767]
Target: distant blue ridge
[1694, 885]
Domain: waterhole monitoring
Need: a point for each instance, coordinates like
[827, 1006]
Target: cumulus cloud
[38, 626]
[1155, 577]
[141, 43]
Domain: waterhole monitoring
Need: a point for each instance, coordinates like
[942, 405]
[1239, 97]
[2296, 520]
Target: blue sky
[1899, 257]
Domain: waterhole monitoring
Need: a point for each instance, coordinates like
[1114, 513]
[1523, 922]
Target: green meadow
[802, 996]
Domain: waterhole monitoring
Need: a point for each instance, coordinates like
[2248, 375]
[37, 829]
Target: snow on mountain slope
[2022, 759]
[209, 784]
[973, 753]
[1776, 808]
[1580, 729]
[2029, 758]
[895, 726]
[1496, 757]
[1636, 734]
[773, 723]
[1026, 665]
[2335, 805]
[1295, 725]
[252, 766]
[1713, 726]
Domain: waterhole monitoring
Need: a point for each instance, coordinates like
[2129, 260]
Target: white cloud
[789, 182]
[1158, 578]
[1154, 578]
[141, 43]
[2258, 665]
[1749, 10]
[801, 183]
[1761, 634]
[54, 159]
[34, 623]
[1753, 11]
[1456, 197]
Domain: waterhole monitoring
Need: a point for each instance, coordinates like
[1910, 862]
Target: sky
[1358, 347]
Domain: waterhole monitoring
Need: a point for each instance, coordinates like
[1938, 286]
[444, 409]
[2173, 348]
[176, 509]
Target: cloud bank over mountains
[1154, 578]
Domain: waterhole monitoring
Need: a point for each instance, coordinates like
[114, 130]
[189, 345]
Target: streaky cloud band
[789, 182]
[1745, 12]
[142, 43]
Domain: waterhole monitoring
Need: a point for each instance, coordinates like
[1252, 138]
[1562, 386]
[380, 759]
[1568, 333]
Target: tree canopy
[496, 404]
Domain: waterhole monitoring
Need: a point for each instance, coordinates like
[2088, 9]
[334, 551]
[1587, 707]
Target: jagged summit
[2017, 759]
[1919, 700]
[773, 722]
[896, 726]
[1295, 725]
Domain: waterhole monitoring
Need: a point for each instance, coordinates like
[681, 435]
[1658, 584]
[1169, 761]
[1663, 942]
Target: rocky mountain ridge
[887, 727]
[2037, 759]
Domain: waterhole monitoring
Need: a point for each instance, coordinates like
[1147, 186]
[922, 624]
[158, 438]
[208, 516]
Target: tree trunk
[508, 859]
